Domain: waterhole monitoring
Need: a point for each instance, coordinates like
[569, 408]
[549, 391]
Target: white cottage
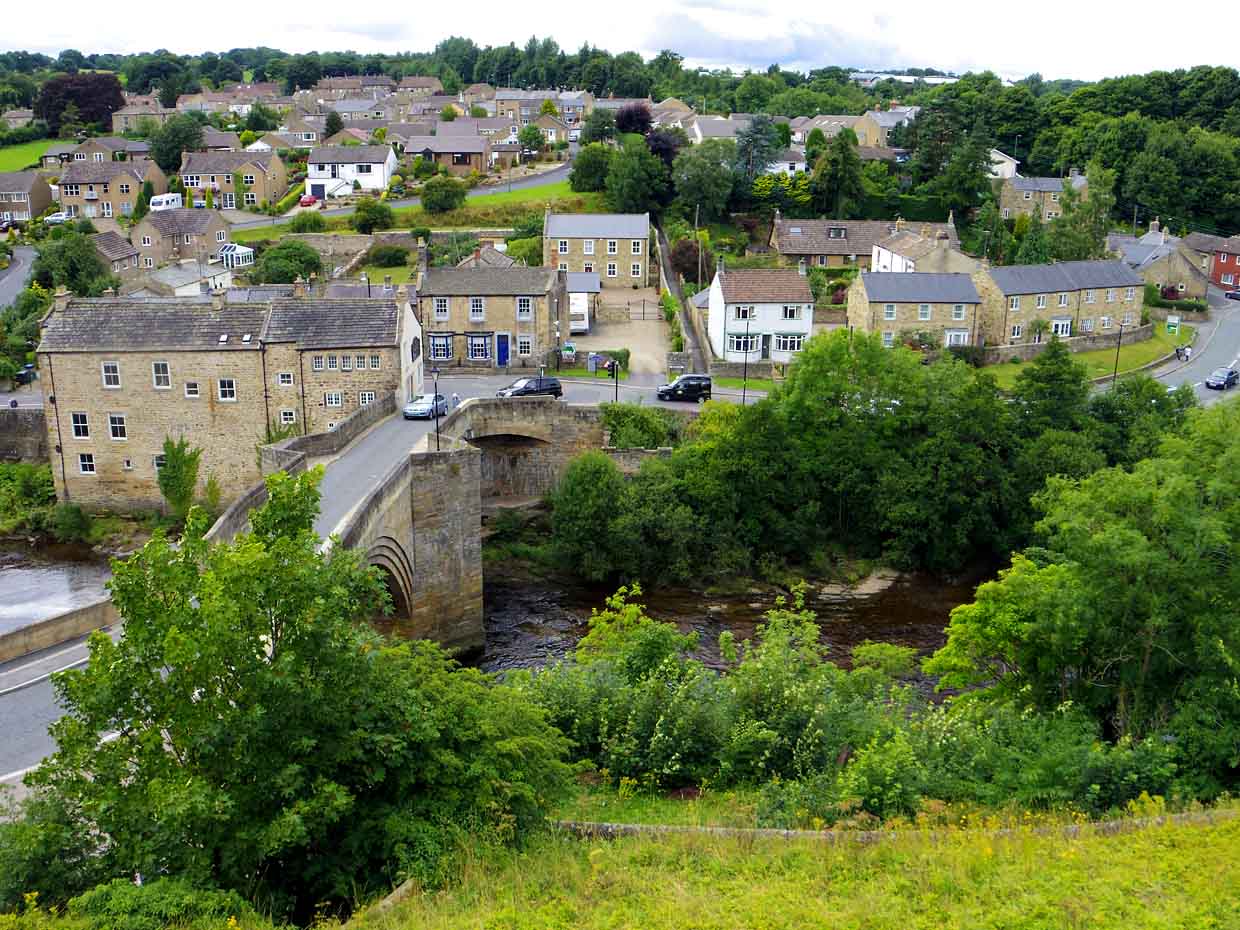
[759, 313]
[332, 170]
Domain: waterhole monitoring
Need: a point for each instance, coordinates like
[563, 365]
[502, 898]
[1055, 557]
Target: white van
[166, 202]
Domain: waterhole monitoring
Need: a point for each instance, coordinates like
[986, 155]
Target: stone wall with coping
[23, 435]
[992, 355]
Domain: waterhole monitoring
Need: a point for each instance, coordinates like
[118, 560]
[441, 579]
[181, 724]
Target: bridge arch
[390, 557]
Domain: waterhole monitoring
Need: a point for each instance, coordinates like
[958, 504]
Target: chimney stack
[299, 287]
[217, 299]
[109, 292]
[899, 224]
[719, 266]
[423, 253]
[61, 298]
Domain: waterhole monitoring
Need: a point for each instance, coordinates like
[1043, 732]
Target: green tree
[757, 145]
[531, 138]
[966, 178]
[448, 113]
[247, 137]
[589, 172]
[754, 92]
[1052, 392]
[370, 214]
[441, 194]
[636, 180]
[549, 108]
[1079, 233]
[600, 126]
[583, 504]
[997, 242]
[285, 262]
[181, 133]
[1034, 248]
[815, 145]
[702, 177]
[477, 112]
[838, 188]
[178, 476]
[261, 738]
[71, 261]
[262, 119]
[308, 221]
[332, 124]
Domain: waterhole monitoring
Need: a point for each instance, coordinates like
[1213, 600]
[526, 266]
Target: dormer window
[837, 232]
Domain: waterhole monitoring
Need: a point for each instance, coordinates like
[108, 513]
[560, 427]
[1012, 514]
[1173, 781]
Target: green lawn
[540, 193]
[26, 155]
[1102, 362]
[402, 274]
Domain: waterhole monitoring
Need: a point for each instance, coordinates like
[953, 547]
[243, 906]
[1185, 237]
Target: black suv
[532, 387]
[686, 387]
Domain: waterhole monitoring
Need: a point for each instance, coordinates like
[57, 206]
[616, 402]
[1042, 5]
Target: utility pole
[697, 243]
[745, 368]
[1134, 219]
[1118, 343]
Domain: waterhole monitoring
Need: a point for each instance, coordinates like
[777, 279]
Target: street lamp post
[559, 352]
[745, 369]
[1118, 343]
[366, 278]
[435, 402]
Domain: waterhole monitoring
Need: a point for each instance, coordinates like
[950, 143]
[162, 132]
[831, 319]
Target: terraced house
[837, 243]
[481, 317]
[23, 196]
[172, 235]
[126, 373]
[236, 179]
[107, 188]
[615, 246]
[919, 308]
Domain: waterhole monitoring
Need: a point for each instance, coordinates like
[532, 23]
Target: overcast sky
[1057, 38]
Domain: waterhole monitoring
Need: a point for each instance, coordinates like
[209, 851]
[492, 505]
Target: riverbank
[41, 582]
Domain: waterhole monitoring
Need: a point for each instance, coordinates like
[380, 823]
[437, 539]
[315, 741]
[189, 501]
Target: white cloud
[1059, 38]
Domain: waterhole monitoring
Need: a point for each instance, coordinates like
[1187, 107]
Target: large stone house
[337, 170]
[759, 313]
[480, 317]
[1164, 261]
[118, 254]
[24, 195]
[132, 117]
[110, 148]
[923, 308]
[907, 250]
[874, 126]
[616, 246]
[837, 243]
[262, 176]
[1019, 195]
[165, 236]
[107, 188]
[525, 106]
[128, 373]
[420, 86]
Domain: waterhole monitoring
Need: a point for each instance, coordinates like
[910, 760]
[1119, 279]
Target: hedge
[289, 200]
[1155, 299]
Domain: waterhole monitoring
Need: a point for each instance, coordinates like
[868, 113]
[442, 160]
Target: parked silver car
[426, 406]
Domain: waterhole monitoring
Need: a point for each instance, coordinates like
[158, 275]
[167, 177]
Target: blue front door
[501, 350]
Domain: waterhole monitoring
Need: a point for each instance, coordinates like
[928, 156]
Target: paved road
[538, 180]
[1217, 346]
[14, 278]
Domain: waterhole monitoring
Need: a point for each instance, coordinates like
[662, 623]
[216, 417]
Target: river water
[39, 583]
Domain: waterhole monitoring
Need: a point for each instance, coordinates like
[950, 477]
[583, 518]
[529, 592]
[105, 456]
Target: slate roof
[583, 282]
[223, 162]
[1204, 242]
[17, 181]
[812, 237]
[217, 137]
[257, 293]
[445, 144]
[487, 256]
[889, 119]
[486, 282]
[413, 82]
[113, 246]
[125, 324]
[101, 172]
[765, 286]
[322, 323]
[597, 226]
[909, 243]
[920, 287]
[183, 273]
[709, 128]
[181, 220]
[1064, 276]
[1045, 185]
[350, 154]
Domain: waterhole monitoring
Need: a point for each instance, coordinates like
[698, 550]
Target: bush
[528, 251]
[154, 905]
[421, 232]
[387, 256]
[685, 260]
[441, 194]
[371, 214]
[70, 523]
[308, 222]
[632, 426]
[285, 261]
[289, 200]
[1154, 299]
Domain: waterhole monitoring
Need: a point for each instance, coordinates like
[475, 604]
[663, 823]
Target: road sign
[1173, 325]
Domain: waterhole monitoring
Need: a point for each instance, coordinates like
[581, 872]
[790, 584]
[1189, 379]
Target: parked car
[1222, 378]
[532, 387]
[307, 200]
[25, 375]
[55, 219]
[1232, 295]
[426, 406]
[686, 387]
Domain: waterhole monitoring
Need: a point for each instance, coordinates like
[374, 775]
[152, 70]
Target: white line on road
[22, 773]
[41, 678]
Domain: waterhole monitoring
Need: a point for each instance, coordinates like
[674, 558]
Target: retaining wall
[994, 354]
[23, 435]
[56, 630]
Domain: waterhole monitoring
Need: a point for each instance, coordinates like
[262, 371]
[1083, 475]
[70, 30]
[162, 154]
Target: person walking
[1188, 353]
[456, 400]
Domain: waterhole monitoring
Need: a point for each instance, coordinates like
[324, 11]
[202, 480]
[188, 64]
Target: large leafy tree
[1034, 249]
[1052, 392]
[181, 133]
[95, 96]
[285, 262]
[838, 187]
[702, 176]
[441, 194]
[757, 145]
[636, 180]
[600, 126]
[1080, 232]
[633, 117]
[71, 261]
[248, 732]
[589, 172]
[332, 124]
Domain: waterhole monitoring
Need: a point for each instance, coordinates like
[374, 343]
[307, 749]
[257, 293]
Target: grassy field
[402, 274]
[18, 157]
[1102, 362]
[1163, 877]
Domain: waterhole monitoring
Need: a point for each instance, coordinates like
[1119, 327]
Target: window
[611, 247]
[1014, 302]
[1063, 300]
[288, 417]
[738, 342]
[441, 308]
[368, 169]
[889, 311]
[1228, 279]
[365, 398]
[157, 461]
[524, 308]
[1222, 258]
[247, 179]
[81, 426]
[957, 337]
[1110, 295]
[789, 342]
[477, 308]
[1007, 213]
[317, 363]
[889, 339]
[1050, 215]
[148, 262]
[587, 247]
[1028, 195]
[441, 348]
[1126, 319]
[86, 463]
[374, 363]
[744, 313]
[837, 232]
[191, 388]
[116, 426]
[359, 362]
[146, 240]
[285, 378]
[227, 389]
[636, 270]
[112, 375]
[220, 235]
[251, 198]
[191, 180]
[124, 188]
[563, 266]
[792, 311]
[1087, 325]
[346, 363]
[479, 347]
[637, 247]
[75, 190]
[1104, 322]
[1017, 330]
[1040, 303]
[189, 240]
[1129, 294]
[611, 269]
[161, 375]
[127, 464]
[332, 363]
[525, 345]
[923, 311]
[563, 247]
[1061, 328]
[1089, 296]
[958, 312]
[333, 399]
[1054, 197]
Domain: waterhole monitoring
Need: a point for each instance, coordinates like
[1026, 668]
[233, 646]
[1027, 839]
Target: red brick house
[1222, 255]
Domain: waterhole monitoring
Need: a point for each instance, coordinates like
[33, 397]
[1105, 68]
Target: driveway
[646, 340]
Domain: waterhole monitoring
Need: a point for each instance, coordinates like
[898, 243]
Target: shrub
[387, 256]
[371, 214]
[421, 232]
[285, 261]
[632, 426]
[528, 251]
[685, 259]
[1154, 299]
[441, 194]
[70, 523]
[164, 902]
[178, 478]
[308, 222]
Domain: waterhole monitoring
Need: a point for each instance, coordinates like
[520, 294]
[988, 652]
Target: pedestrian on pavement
[1179, 353]
[456, 400]
[1188, 353]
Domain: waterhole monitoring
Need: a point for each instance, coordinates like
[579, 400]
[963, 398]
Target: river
[39, 583]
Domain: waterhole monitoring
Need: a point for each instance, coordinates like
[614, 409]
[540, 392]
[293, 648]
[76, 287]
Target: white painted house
[332, 170]
[789, 161]
[759, 313]
[1001, 165]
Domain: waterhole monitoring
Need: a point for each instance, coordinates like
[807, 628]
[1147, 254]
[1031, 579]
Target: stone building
[838, 243]
[907, 250]
[480, 317]
[108, 188]
[1019, 195]
[1164, 261]
[127, 373]
[118, 254]
[171, 235]
[615, 246]
[24, 195]
[922, 308]
[132, 117]
[237, 179]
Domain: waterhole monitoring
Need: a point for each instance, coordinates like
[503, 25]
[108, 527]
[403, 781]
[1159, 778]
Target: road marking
[10, 671]
[21, 773]
[42, 678]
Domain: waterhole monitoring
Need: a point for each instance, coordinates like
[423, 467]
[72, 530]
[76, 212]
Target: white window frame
[441, 348]
[1040, 302]
[1061, 328]
[333, 399]
[375, 362]
[789, 342]
[1018, 330]
[1110, 295]
[221, 235]
[792, 311]
[192, 389]
[167, 376]
[288, 416]
[1089, 296]
[333, 363]
[117, 424]
[365, 398]
[316, 363]
[889, 311]
[525, 345]
[738, 341]
[958, 312]
[889, 339]
[635, 270]
[284, 378]
[442, 308]
[1104, 322]
[226, 395]
[479, 348]
[611, 270]
[146, 240]
[116, 373]
[525, 308]
[924, 312]
[1130, 294]
[613, 247]
[637, 247]
[86, 463]
[587, 247]
[1063, 300]
[563, 247]
[477, 309]
[1014, 302]
[346, 363]
[1087, 324]
[744, 312]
